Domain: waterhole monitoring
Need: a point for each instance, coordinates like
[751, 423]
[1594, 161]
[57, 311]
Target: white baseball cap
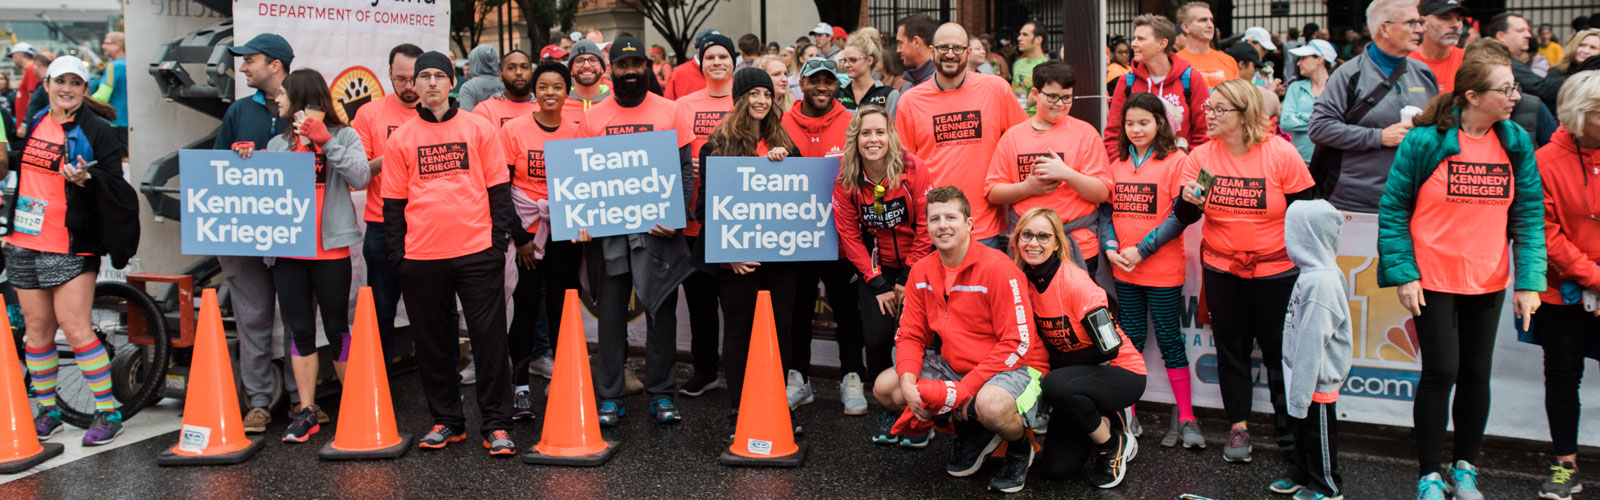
[1316, 47]
[1260, 35]
[22, 48]
[68, 64]
[822, 29]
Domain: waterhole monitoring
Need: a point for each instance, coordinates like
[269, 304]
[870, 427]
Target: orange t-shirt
[1080, 147]
[322, 180]
[524, 138]
[1474, 185]
[374, 123]
[1140, 201]
[1217, 66]
[656, 113]
[704, 112]
[499, 110]
[40, 222]
[952, 129]
[1444, 70]
[445, 170]
[1058, 316]
[1245, 205]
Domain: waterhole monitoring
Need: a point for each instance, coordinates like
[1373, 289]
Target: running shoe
[1192, 438]
[1110, 463]
[1431, 487]
[1284, 486]
[1013, 468]
[1563, 482]
[469, 375]
[853, 394]
[543, 366]
[522, 406]
[48, 423]
[665, 411]
[302, 424]
[700, 383]
[106, 427]
[799, 390]
[611, 413]
[1309, 494]
[916, 440]
[885, 433]
[973, 444]
[1238, 448]
[499, 443]
[1462, 480]
[1171, 438]
[439, 436]
[256, 420]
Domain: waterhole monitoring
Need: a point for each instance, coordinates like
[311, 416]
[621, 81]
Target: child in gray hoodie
[1316, 350]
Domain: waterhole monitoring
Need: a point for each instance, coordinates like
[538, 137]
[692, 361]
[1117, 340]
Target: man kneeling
[983, 381]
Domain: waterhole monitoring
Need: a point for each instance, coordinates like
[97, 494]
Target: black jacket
[103, 215]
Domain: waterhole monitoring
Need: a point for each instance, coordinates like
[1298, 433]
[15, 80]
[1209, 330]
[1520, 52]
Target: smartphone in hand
[1204, 179]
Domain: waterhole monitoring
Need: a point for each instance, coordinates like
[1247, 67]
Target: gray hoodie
[347, 164]
[483, 66]
[1316, 332]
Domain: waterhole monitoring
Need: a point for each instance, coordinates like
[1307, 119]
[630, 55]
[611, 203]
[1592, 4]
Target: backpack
[1127, 87]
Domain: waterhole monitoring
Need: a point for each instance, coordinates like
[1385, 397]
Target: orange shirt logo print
[1025, 164]
[536, 164]
[706, 121]
[1478, 183]
[958, 126]
[1058, 333]
[43, 154]
[629, 129]
[1238, 194]
[1136, 199]
[441, 160]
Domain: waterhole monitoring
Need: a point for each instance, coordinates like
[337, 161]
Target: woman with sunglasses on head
[322, 282]
[877, 203]
[861, 55]
[1247, 276]
[1464, 161]
[1095, 371]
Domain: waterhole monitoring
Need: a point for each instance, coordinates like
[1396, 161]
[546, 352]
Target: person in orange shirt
[1200, 29]
[589, 85]
[546, 268]
[1441, 37]
[1146, 257]
[688, 77]
[516, 99]
[960, 117]
[1248, 275]
[1095, 371]
[1053, 160]
[1464, 160]
[705, 108]
[450, 219]
[374, 122]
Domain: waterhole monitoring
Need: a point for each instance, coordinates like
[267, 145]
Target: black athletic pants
[1078, 396]
[307, 286]
[705, 329]
[877, 329]
[563, 260]
[528, 338]
[430, 288]
[738, 297]
[1316, 455]
[1456, 335]
[1568, 333]
[839, 277]
[1246, 313]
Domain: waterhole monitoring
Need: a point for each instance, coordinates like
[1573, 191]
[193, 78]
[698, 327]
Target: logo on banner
[442, 159]
[1134, 198]
[958, 126]
[614, 184]
[352, 89]
[763, 211]
[1238, 194]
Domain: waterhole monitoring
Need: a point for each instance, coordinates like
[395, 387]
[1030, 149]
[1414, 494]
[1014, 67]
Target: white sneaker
[545, 366]
[799, 390]
[469, 375]
[853, 394]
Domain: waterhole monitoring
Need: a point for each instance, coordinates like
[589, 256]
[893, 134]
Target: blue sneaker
[916, 440]
[611, 413]
[1431, 487]
[885, 433]
[1463, 481]
[106, 427]
[1308, 494]
[48, 423]
[1284, 486]
[665, 411]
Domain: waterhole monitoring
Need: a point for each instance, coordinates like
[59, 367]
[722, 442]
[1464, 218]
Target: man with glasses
[588, 79]
[374, 122]
[1053, 161]
[1368, 134]
[958, 117]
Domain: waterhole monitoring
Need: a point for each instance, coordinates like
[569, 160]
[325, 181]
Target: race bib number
[30, 215]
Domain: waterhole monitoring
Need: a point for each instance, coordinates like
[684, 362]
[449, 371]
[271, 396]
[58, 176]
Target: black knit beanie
[748, 79]
[435, 60]
[717, 40]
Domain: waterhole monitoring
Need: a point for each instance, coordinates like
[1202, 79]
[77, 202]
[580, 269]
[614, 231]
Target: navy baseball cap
[267, 44]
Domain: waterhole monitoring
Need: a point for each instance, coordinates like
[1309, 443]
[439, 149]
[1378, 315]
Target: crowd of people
[999, 284]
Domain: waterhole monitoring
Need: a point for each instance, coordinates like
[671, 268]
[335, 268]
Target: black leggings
[877, 329]
[1246, 313]
[1078, 396]
[838, 276]
[738, 296]
[705, 329]
[1456, 335]
[1568, 333]
[305, 286]
[528, 338]
[563, 260]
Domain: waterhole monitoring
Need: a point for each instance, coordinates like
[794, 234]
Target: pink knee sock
[1179, 377]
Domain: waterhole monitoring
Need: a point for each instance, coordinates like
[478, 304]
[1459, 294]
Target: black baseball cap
[1439, 7]
[626, 47]
[267, 44]
[1244, 52]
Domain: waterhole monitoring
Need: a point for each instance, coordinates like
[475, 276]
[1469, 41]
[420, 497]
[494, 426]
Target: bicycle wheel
[138, 372]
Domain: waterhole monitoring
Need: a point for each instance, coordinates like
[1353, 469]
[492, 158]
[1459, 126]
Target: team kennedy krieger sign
[759, 210]
[261, 206]
[616, 184]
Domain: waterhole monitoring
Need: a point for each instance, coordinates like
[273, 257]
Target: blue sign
[263, 206]
[758, 210]
[615, 184]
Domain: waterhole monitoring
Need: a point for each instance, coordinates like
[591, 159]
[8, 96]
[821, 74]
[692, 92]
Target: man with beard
[449, 218]
[705, 108]
[516, 75]
[1441, 32]
[818, 131]
[374, 122]
[958, 117]
[651, 265]
[588, 79]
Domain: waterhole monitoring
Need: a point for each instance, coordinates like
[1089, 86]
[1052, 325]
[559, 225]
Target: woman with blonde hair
[776, 68]
[1582, 46]
[860, 58]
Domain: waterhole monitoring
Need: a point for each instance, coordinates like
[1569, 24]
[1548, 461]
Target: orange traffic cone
[572, 425]
[212, 433]
[19, 445]
[366, 414]
[764, 436]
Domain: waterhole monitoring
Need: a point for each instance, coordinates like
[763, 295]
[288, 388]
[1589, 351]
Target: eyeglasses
[1026, 236]
[949, 49]
[1217, 111]
[590, 60]
[851, 60]
[1055, 98]
[1414, 23]
[1514, 88]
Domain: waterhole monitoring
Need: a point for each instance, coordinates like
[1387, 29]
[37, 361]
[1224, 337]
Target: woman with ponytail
[1464, 181]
